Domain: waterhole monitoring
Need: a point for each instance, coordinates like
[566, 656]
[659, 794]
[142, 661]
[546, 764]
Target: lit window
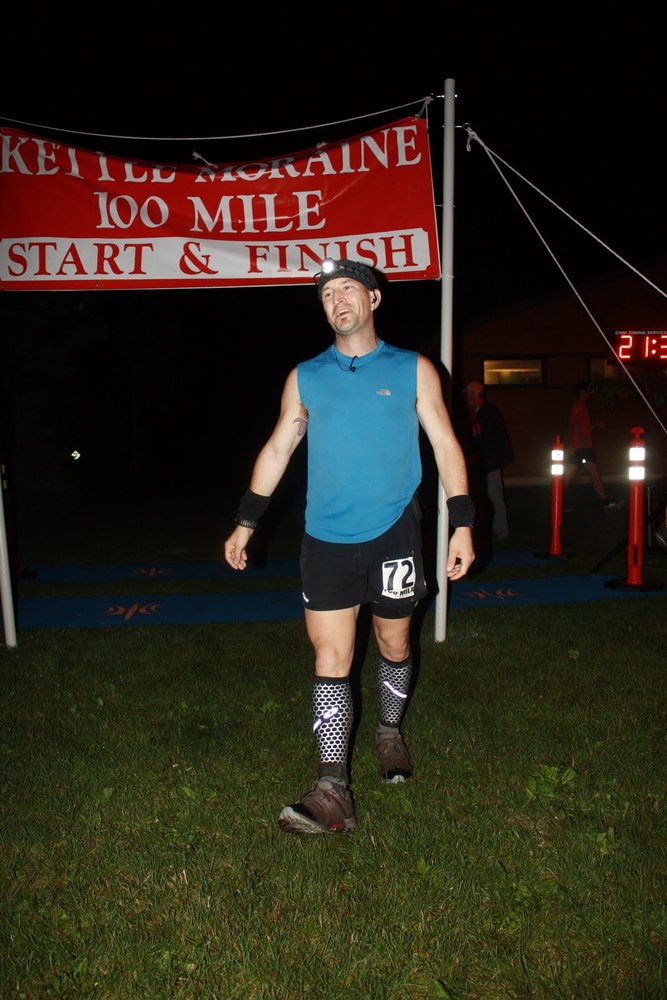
[601, 368]
[513, 371]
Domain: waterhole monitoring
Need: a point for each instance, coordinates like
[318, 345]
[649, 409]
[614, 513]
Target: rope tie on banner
[472, 135]
[496, 160]
[198, 156]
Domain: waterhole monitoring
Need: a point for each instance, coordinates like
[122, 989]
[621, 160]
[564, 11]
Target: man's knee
[393, 638]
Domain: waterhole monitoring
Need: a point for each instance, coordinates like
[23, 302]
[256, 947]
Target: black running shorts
[386, 572]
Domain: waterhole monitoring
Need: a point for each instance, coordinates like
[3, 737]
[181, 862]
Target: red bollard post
[636, 474]
[557, 457]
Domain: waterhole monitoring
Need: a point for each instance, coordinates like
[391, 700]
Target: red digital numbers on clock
[637, 346]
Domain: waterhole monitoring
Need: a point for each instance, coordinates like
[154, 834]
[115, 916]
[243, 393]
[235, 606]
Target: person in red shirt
[582, 454]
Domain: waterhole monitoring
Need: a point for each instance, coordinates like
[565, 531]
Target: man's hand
[461, 553]
[235, 547]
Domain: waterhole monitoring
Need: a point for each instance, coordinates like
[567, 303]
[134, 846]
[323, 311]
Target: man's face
[347, 304]
[474, 397]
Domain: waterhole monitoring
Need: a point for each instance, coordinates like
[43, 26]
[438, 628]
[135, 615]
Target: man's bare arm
[271, 463]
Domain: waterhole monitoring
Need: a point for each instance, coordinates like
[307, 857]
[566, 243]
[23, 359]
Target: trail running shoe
[393, 756]
[323, 809]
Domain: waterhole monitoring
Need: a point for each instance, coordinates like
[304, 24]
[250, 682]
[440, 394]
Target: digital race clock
[637, 347]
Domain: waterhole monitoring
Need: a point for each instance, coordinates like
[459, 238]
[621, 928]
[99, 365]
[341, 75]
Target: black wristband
[461, 511]
[251, 508]
[245, 522]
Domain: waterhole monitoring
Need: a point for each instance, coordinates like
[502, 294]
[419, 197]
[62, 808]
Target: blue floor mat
[183, 609]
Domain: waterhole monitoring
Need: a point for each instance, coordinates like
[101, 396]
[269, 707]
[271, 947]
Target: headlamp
[345, 269]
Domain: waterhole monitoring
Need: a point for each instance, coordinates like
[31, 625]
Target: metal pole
[5, 579]
[445, 343]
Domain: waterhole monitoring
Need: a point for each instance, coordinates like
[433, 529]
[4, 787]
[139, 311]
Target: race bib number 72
[398, 578]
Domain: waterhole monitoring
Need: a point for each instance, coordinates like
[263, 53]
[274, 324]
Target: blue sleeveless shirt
[364, 463]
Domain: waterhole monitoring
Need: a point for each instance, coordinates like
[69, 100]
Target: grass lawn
[142, 773]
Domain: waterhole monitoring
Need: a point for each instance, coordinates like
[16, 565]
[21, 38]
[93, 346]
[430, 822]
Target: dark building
[532, 355]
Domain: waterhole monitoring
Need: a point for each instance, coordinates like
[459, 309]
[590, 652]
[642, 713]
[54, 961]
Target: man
[361, 402]
[582, 454]
[493, 450]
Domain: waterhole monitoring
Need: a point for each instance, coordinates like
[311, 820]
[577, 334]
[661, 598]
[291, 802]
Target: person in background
[493, 451]
[582, 454]
[657, 513]
[360, 403]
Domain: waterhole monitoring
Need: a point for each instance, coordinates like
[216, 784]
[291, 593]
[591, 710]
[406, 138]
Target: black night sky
[182, 387]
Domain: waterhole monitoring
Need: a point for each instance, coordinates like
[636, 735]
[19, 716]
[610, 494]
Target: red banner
[71, 218]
